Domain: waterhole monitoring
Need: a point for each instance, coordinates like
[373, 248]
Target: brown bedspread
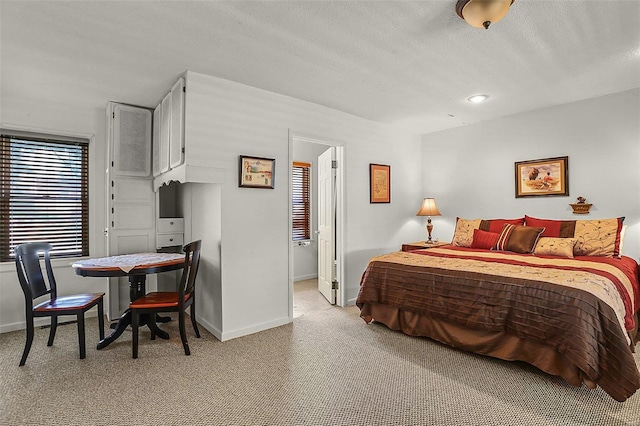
[578, 308]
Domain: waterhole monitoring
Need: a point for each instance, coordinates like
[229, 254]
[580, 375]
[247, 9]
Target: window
[301, 188]
[44, 193]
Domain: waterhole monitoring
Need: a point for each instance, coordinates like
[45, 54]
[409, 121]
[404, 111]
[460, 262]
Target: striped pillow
[517, 238]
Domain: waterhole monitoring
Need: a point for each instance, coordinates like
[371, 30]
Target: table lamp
[428, 208]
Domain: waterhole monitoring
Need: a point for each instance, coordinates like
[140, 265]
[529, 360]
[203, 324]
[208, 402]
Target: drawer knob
[170, 239]
[170, 223]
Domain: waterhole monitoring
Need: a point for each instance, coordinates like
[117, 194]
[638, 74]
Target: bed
[572, 315]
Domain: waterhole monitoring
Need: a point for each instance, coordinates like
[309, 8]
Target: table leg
[137, 289]
[123, 322]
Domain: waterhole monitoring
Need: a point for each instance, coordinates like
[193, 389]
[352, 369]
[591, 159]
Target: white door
[326, 225]
[131, 200]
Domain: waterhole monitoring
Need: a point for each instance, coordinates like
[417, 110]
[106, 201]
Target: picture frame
[256, 172]
[379, 183]
[542, 178]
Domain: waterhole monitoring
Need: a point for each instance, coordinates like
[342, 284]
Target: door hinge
[334, 164]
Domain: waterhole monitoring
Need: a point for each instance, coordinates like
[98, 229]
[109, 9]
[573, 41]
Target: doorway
[304, 263]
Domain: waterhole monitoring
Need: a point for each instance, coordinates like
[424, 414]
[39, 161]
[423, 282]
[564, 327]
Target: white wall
[305, 258]
[65, 119]
[226, 119]
[471, 169]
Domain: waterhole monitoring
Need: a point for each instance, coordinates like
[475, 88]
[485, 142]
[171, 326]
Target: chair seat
[157, 300]
[65, 303]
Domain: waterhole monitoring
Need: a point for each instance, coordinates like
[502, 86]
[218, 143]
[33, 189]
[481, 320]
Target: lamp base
[429, 229]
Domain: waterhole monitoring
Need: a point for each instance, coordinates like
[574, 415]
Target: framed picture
[544, 177]
[379, 183]
[256, 172]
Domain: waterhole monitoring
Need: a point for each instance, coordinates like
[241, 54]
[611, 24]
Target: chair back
[29, 272]
[191, 264]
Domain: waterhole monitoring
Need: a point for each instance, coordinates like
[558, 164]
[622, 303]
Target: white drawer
[168, 240]
[170, 225]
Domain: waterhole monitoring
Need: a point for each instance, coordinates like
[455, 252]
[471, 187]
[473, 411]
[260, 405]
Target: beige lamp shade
[428, 208]
[482, 13]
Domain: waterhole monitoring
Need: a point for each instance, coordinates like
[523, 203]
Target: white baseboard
[304, 277]
[254, 328]
[351, 302]
[210, 327]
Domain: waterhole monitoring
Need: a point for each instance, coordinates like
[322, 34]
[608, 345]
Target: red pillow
[484, 239]
[496, 225]
[553, 228]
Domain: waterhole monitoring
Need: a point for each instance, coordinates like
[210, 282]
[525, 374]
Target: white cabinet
[168, 130]
[165, 132]
[130, 199]
[170, 232]
[157, 117]
[176, 140]
[178, 160]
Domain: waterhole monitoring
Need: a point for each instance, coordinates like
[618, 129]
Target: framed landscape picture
[379, 183]
[256, 172]
[544, 177]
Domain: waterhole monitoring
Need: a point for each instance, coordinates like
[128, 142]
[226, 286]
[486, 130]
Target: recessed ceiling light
[476, 99]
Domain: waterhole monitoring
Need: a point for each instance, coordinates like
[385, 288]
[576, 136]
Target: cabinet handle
[170, 239]
[170, 223]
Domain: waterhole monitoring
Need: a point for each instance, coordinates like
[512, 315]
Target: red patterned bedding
[575, 318]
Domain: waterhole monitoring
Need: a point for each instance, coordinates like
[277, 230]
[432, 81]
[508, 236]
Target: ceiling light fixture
[476, 99]
[482, 13]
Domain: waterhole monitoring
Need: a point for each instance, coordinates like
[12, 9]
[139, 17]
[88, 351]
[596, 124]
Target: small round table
[136, 267]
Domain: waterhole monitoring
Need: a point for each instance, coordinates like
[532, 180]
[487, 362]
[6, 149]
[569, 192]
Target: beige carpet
[326, 368]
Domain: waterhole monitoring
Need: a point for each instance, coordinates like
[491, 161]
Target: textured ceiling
[412, 64]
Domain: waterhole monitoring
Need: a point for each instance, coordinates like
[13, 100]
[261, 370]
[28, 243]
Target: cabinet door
[165, 133]
[176, 141]
[130, 197]
[131, 141]
[155, 152]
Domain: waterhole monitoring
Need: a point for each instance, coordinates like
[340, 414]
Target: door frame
[340, 214]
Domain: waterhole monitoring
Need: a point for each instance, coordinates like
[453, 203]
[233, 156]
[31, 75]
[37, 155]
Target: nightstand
[423, 245]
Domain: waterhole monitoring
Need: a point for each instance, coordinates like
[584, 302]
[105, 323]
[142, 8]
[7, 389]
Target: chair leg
[27, 345]
[81, 337]
[192, 309]
[52, 330]
[183, 333]
[101, 319]
[134, 328]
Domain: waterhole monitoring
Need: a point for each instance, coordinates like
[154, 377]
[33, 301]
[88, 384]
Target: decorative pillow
[518, 239]
[484, 240]
[463, 235]
[496, 225]
[553, 228]
[598, 237]
[562, 247]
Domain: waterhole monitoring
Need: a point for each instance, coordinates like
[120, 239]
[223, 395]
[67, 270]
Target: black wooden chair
[34, 286]
[171, 301]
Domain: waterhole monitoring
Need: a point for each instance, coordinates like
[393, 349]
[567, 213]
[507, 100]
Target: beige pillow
[463, 235]
[598, 237]
[562, 247]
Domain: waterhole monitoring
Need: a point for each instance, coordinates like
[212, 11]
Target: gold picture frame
[256, 172]
[379, 183]
[542, 178]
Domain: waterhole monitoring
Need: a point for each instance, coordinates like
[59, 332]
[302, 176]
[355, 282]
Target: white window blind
[44, 194]
[301, 189]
